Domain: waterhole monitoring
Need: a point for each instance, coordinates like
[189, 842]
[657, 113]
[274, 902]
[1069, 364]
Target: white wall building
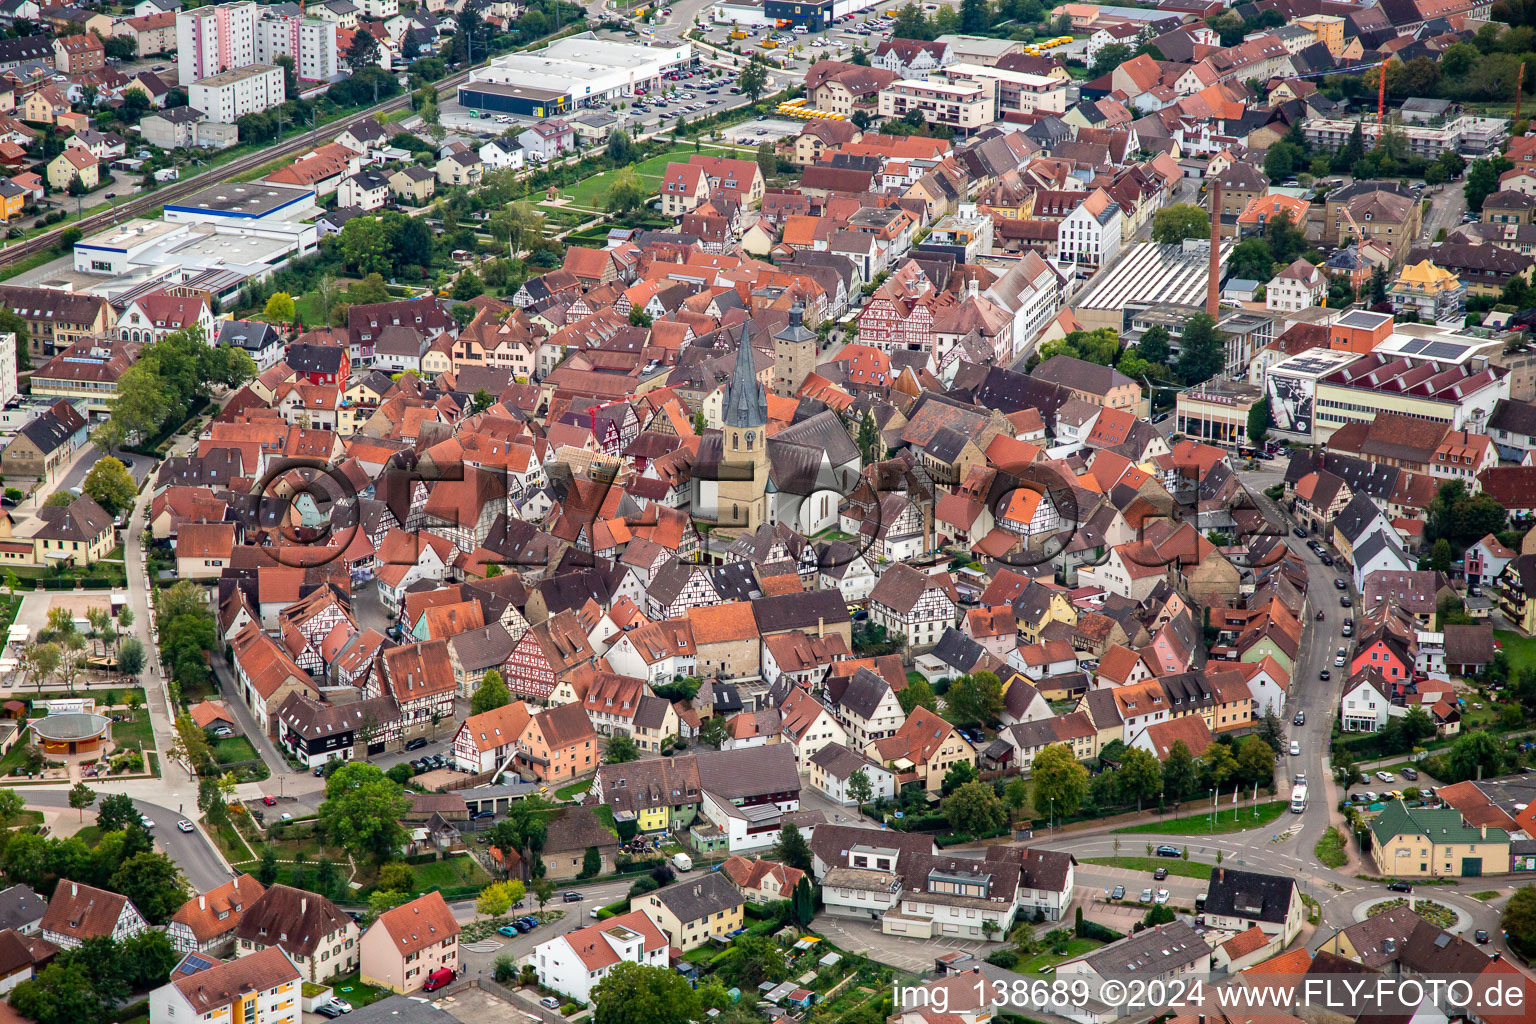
[575, 962]
[230, 96]
[311, 42]
[211, 40]
[1089, 236]
[1364, 708]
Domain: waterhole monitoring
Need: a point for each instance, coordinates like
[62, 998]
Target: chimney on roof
[74, 888]
[1213, 284]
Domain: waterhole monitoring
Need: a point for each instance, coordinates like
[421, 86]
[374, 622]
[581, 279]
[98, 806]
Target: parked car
[327, 1011]
[417, 743]
[338, 1005]
[1411, 774]
[1386, 777]
[1298, 531]
[1118, 893]
[1146, 896]
[508, 929]
[550, 1003]
[1162, 897]
[1159, 874]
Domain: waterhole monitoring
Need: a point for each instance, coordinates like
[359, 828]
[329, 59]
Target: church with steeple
[743, 477]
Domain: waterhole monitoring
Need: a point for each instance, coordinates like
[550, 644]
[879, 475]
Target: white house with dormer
[1364, 707]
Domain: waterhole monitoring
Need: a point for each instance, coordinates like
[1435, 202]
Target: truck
[682, 862]
[1299, 798]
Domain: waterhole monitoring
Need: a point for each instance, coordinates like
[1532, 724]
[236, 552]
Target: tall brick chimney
[1213, 286]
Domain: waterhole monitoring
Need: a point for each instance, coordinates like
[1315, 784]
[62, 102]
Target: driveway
[229, 689]
[865, 938]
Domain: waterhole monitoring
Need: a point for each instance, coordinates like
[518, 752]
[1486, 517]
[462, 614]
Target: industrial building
[1446, 379]
[1149, 274]
[577, 71]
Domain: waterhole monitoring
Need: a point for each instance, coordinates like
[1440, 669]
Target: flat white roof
[132, 233]
[567, 64]
[1003, 75]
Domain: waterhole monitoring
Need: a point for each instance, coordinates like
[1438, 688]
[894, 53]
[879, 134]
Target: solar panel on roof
[1417, 345]
[194, 963]
[1444, 350]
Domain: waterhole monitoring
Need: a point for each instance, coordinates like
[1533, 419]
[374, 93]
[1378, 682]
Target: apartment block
[230, 96]
[964, 106]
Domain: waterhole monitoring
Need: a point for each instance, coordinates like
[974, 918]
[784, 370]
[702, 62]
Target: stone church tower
[794, 355]
[744, 444]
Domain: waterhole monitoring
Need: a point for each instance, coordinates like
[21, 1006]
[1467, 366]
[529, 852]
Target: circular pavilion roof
[74, 725]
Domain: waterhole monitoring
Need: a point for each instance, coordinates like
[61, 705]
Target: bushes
[1094, 930]
[956, 838]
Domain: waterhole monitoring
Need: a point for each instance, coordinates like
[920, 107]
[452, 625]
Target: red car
[437, 979]
[270, 801]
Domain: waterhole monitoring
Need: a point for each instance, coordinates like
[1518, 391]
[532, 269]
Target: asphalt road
[192, 851]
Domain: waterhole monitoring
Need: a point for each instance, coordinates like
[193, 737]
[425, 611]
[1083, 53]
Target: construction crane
[1381, 84]
[1381, 94]
[1519, 85]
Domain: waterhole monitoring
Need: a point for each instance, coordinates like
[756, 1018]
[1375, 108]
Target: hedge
[1094, 930]
[956, 838]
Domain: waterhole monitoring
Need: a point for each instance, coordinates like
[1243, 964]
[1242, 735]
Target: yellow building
[12, 199]
[1328, 28]
[74, 162]
[692, 911]
[1432, 292]
[1422, 843]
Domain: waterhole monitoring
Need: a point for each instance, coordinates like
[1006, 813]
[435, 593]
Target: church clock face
[751, 436]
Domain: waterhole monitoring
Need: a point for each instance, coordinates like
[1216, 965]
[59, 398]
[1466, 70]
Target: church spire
[746, 403]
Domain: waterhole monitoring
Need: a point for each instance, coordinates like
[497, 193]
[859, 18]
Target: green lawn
[1486, 895]
[590, 192]
[1243, 819]
[1175, 865]
[452, 873]
[231, 749]
[1330, 849]
[574, 790]
[605, 815]
[137, 733]
[356, 993]
[1074, 948]
[1521, 650]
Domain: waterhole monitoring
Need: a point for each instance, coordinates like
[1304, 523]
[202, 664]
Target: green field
[1175, 865]
[1240, 820]
[356, 993]
[139, 732]
[574, 790]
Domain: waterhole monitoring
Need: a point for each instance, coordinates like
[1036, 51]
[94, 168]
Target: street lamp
[112, 197]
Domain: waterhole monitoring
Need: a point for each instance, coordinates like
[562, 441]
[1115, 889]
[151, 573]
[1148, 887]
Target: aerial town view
[768, 512]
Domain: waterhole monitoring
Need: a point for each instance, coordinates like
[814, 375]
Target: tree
[633, 993]
[1203, 350]
[1218, 765]
[1519, 921]
[1180, 776]
[1252, 259]
[468, 286]
[1109, 58]
[714, 731]
[620, 147]
[792, 849]
[1153, 346]
[753, 79]
[975, 809]
[364, 51]
[591, 862]
[499, 897]
[364, 246]
[81, 796]
[1255, 762]
[858, 786]
[767, 160]
[1272, 732]
[976, 698]
[917, 694]
[191, 744]
[1473, 751]
[490, 694]
[626, 193]
[621, 749]
[110, 485]
[1139, 776]
[1281, 161]
[1483, 180]
[1440, 556]
[802, 903]
[975, 16]
[280, 308]
[1173, 224]
[362, 811]
[12, 804]
[153, 883]
[639, 317]
[383, 900]
[1352, 152]
[396, 876]
[543, 891]
[266, 868]
[130, 662]
[1159, 914]
[116, 813]
[62, 993]
[1060, 782]
[59, 499]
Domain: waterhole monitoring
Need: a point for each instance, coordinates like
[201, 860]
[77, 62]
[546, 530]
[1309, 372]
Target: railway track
[187, 186]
